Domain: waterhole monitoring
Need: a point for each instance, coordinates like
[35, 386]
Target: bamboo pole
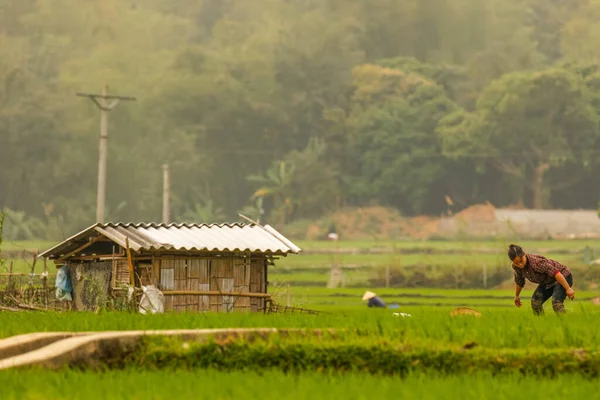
[14, 274]
[33, 264]
[213, 293]
[45, 283]
[130, 262]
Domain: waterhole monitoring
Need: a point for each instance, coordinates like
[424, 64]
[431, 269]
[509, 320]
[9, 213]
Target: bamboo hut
[198, 267]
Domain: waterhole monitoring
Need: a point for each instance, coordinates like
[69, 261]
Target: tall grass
[215, 385]
[514, 328]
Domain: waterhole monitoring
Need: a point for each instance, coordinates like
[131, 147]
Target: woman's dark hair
[515, 251]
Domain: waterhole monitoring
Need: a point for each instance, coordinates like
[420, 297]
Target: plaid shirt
[540, 270]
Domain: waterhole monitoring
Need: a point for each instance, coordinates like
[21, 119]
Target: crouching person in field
[373, 300]
[553, 279]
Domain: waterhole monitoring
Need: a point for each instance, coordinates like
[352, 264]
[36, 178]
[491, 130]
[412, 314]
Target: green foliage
[313, 175]
[19, 226]
[206, 213]
[2, 216]
[364, 341]
[123, 384]
[510, 328]
[525, 124]
[392, 137]
[276, 185]
[353, 353]
[348, 93]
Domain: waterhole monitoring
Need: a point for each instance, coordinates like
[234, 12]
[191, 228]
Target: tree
[509, 42]
[18, 225]
[453, 78]
[392, 145]
[525, 124]
[581, 34]
[314, 183]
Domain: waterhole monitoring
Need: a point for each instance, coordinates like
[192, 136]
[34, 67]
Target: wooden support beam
[130, 262]
[101, 257]
[80, 248]
[188, 255]
[213, 293]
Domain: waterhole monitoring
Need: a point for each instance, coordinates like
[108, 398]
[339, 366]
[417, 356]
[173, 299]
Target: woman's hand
[571, 293]
[518, 301]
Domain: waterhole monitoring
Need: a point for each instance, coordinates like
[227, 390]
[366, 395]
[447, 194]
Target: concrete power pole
[105, 103]
[166, 190]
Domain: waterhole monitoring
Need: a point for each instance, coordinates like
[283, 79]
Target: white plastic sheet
[402, 314]
[153, 300]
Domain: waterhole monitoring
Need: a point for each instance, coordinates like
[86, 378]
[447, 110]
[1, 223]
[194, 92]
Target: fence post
[10, 277]
[288, 295]
[45, 283]
[485, 276]
[387, 276]
[34, 261]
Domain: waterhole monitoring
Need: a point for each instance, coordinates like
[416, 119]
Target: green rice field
[212, 384]
[497, 328]
[368, 353]
[449, 264]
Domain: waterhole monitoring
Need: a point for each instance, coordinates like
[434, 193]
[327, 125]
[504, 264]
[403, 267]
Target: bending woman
[553, 279]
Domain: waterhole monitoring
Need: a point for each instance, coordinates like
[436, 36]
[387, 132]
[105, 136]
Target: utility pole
[166, 190]
[105, 103]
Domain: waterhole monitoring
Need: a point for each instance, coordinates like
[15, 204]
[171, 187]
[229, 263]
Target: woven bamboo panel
[227, 287]
[120, 273]
[222, 275]
[204, 300]
[241, 282]
[257, 282]
[145, 274]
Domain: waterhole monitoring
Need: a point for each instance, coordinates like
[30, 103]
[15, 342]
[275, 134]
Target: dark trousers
[558, 294]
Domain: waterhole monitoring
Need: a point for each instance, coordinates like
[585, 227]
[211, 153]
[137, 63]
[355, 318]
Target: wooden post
[45, 283]
[10, 271]
[336, 270]
[33, 263]
[485, 276]
[130, 262]
[387, 276]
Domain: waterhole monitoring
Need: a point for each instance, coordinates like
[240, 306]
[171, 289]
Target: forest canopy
[296, 107]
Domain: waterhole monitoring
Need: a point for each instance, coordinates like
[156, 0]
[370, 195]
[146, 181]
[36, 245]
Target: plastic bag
[63, 284]
[152, 301]
[401, 314]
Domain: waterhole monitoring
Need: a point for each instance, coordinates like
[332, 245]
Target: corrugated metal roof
[184, 237]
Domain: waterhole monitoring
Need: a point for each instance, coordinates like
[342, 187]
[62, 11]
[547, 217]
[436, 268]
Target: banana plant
[276, 183]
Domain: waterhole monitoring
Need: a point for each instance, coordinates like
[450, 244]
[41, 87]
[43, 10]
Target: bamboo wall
[222, 275]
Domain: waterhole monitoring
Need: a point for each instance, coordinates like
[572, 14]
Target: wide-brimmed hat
[368, 295]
